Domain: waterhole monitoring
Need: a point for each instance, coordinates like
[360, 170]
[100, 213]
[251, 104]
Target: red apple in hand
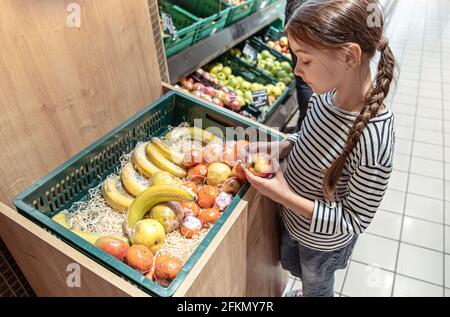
[261, 165]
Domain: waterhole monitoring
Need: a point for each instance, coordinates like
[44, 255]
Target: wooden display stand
[63, 89]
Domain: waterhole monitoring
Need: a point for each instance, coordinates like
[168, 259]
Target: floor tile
[401, 162]
[405, 120]
[366, 281]
[376, 251]
[426, 186]
[402, 108]
[423, 233]
[393, 200]
[428, 136]
[408, 287]
[404, 147]
[447, 191]
[339, 277]
[429, 124]
[404, 132]
[420, 263]
[424, 208]
[447, 239]
[398, 181]
[447, 213]
[427, 167]
[386, 224]
[447, 155]
[432, 113]
[447, 271]
[447, 292]
[429, 151]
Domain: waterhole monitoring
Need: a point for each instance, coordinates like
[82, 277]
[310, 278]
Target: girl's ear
[353, 55]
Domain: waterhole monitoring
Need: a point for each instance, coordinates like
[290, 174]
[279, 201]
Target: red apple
[188, 85]
[197, 93]
[199, 86]
[115, 247]
[235, 105]
[210, 91]
[238, 172]
[261, 165]
[207, 97]
[217, 101]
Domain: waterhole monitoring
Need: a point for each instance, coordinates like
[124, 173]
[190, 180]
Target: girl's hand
[275, 188]
[278, 150]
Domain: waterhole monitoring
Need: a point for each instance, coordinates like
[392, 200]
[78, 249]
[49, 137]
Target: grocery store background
[406, 250]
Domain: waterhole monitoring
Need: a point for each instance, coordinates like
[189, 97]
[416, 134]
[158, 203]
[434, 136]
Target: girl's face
[321, 69]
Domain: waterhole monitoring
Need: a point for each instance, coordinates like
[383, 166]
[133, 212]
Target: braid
[372, 105]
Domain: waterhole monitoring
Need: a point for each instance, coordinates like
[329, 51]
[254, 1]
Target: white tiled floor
[406, 249]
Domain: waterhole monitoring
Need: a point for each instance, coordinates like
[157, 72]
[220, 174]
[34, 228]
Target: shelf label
[250, 52]
[260, 98]
[167, 22]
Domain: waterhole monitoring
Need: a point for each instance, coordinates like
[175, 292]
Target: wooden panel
[265, 276]
[62, 88]
[43, 258]
[221, 270]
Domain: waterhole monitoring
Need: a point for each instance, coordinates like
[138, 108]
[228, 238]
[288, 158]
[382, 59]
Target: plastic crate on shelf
[260, 46]
[252, 75]
[213, 15]
[186, 26]
[272, 34]
[71, 182]
[238, 12]
[261, 4]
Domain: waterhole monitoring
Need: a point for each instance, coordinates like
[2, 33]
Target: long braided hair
[334, 24]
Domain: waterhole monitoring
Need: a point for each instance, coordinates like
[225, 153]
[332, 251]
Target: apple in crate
[210, 91]
[235, 105]
[199, 86]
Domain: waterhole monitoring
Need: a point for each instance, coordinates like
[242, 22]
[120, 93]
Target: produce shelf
[208, 49]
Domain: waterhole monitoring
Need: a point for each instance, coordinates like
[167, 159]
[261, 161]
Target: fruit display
[269, 65]
[281, 45]
[167, 195]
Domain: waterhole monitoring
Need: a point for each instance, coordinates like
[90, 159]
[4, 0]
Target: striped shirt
[363, 182]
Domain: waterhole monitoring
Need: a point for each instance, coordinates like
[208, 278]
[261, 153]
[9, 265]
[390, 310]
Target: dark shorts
[314, 268]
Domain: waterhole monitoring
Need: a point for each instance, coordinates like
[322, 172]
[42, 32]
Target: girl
[339, 163]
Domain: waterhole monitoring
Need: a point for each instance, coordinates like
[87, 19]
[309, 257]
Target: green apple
[221, 76]
[227, 71]
[245, 85]
[276, 91]
[286, 67]
[281, 85]
[282, 74]
[149, 232]
[265, 54]
[240, 93]
[166, 216]
[248, 96]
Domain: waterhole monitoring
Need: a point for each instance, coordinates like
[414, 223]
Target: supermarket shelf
[284, 113]
[208, 49]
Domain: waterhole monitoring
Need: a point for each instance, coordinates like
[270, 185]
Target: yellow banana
[163, 163]
[92, 237]
[168, 153]
[153, 196]
[115, 195]
[61, 218]
[141, 161]
[134, 182]
[165, 178]
[193, 133]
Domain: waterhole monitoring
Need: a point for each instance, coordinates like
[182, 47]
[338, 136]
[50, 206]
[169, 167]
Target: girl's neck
[351, 94]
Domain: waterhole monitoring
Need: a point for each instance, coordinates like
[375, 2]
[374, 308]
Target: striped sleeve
[354, 213]
[293, 137]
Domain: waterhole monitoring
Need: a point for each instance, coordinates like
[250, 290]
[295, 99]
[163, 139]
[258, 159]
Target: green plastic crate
[70, 182]
[212, 13]
[260, 4]
[253, 75]
[273, 34]
[260, 46]
[186, 27]
[238, 12]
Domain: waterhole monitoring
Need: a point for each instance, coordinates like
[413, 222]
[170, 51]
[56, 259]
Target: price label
[250, 52]
[260, 98]
[168, 27]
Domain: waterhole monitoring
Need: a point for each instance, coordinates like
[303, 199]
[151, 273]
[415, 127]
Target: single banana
[163, 163]
[193, 133]
[115, 195]
[168, 153]
[134, 182]
[153, 196]
[141, 161]
[93, 237]
[61, 218]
